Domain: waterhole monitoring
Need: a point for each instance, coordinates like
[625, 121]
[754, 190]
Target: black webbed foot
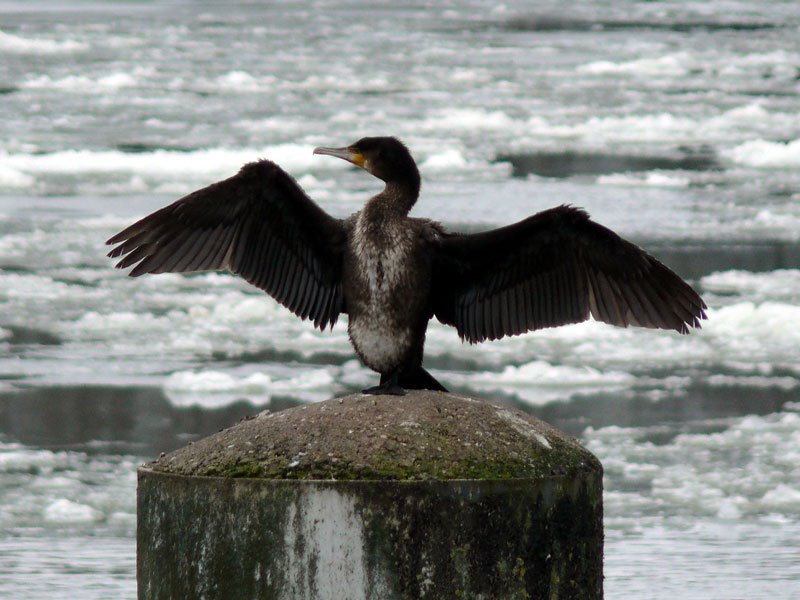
[387, 388]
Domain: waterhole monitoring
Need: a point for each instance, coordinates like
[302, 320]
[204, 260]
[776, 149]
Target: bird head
[386, 158]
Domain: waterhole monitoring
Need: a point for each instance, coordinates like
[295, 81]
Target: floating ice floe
[765, 154]
[670, 65]
[780, 284]
[66, 511]
[666, 127]
[782, 498]
[16, 44]
[652, 179]
[753, 381]
[14, 178]
[82, 83]
[745, 470]
[242, 81]
[470, 119]
[539, 382]
[19, 458]
[214, 389]
[444, 161]
[207, 163]
[751, 333]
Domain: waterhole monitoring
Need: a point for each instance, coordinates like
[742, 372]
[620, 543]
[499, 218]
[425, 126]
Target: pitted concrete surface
[422, 435]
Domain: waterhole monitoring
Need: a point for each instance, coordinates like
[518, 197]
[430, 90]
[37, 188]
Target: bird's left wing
[554, 268]
[258, 224]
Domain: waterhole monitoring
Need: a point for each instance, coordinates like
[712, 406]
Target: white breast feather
[383, 265]
[377, 336]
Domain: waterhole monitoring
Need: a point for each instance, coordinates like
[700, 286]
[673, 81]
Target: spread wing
[258, 224]
[554, 268]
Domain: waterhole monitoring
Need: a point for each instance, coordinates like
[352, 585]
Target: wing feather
[258, 224]
[554, 268]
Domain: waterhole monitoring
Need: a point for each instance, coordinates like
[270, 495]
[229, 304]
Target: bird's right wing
[258, 224]
[554, 268]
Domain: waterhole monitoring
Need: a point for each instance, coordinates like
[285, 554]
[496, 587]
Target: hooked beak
[345, 153]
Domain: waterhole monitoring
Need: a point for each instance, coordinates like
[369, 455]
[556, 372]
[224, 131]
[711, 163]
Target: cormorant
[390, 273]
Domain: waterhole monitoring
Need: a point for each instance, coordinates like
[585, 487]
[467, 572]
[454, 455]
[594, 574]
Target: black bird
[391, 273]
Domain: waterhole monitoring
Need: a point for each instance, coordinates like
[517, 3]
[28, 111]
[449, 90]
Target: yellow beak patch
[358, 159]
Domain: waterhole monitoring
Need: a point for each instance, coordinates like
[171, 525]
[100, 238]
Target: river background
[674, 123]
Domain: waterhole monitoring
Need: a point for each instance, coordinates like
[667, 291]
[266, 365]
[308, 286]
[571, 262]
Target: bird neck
[396, 197]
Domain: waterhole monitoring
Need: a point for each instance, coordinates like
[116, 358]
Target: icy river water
[675, 123]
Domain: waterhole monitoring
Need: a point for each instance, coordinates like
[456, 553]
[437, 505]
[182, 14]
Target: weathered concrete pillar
[429, 495]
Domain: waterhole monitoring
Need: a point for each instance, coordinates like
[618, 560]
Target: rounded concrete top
[422, 435]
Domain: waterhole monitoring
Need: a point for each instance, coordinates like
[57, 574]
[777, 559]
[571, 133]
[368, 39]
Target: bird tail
[418, 378]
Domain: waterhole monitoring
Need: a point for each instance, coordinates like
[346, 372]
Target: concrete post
[429, 495]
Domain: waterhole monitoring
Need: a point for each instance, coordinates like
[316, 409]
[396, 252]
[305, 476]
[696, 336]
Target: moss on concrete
[423, 435]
